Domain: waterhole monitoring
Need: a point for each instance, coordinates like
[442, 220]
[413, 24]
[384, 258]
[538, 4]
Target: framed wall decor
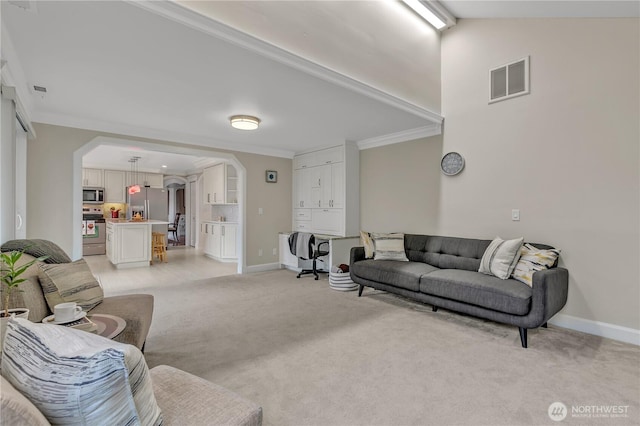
[271, 176]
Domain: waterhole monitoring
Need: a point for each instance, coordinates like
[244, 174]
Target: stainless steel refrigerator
[152, 203]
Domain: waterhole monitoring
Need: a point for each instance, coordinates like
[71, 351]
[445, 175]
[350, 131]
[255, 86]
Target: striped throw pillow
[533, 259]
[76, 377]
[501, 257]
[389, 247]
[70, 282]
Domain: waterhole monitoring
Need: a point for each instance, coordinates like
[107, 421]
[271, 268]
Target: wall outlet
[275, 251]
[259, 252]
[515, 214]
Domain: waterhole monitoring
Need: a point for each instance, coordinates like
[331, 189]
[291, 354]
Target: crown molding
[190, 18]
[403, 136]
[157, 134]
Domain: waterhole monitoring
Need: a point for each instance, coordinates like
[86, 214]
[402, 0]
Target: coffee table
[109, 326]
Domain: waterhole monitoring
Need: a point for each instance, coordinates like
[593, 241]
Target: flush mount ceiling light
[244, 122]
[432, 12]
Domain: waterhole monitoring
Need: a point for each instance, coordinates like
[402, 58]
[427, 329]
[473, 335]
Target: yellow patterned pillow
[533, 259]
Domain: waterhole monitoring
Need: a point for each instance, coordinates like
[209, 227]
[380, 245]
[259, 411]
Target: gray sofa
[442, 272]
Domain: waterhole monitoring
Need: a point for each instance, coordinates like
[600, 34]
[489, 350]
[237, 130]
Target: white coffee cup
[66, 312]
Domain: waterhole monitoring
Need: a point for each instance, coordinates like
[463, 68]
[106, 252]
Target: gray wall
[566, 155]
[50, 177]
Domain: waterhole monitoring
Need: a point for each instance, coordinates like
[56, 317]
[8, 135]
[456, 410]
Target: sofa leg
[544, 325]
[360, 290]
[434, 308]
[523, 336]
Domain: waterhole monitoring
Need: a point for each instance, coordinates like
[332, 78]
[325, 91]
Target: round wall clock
[452, 163]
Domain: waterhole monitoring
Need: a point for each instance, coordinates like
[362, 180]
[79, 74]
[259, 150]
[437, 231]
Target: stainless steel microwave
[92, 195]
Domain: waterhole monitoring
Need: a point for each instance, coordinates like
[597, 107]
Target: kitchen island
[129, 242]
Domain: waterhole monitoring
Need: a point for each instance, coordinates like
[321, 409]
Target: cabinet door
[286, 258]
[303, 161]
[154, 180]
[336, 200]
[330, 155]
[114, 186]
[218, 185]
[327, 221]
[302, 188]
[327, 185]
[92, 177]
[228, 240]
[216, 239]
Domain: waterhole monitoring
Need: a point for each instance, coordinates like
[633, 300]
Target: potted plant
[10, 276]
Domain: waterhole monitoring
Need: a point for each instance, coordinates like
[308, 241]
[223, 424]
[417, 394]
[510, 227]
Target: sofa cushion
[15, 409]
[509, 296]
[189, 400]
[367, 243]
[446, 252]
[76, 377]
[393, 272]
[70, 282]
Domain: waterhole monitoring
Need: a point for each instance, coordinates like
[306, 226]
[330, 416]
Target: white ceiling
[161, 71]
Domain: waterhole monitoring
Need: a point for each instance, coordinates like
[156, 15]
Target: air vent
[28, 5]
[40, 89]
[509, 80]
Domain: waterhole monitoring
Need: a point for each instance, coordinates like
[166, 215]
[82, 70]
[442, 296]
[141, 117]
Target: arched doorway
[205, 154]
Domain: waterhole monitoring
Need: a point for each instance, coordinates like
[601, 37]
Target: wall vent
[509, 80]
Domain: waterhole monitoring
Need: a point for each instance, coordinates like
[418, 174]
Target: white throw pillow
[533, 259]
[389, 247]
[501, 257]
[76, 377]
[367, 242]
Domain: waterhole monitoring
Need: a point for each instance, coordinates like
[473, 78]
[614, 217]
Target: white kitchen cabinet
[286, 258]
[214, 184]
[153, 180]
[220, 241]
[327, 221]
[115, 186]
[328, 180]
[92, 177]
[232, 189]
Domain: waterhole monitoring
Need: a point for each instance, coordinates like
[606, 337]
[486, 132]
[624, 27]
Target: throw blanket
[37, 248]
[300, 244]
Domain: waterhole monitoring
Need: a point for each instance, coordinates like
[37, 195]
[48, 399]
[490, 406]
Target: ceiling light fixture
[244, 122]
[425, 9]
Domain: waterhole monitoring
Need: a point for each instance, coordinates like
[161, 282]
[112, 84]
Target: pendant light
[135, 188]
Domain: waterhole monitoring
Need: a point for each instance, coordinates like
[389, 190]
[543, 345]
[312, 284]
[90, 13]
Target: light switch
[515, 214]
[260, 211]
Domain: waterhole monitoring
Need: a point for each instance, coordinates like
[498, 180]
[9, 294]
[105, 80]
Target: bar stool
[158, 246]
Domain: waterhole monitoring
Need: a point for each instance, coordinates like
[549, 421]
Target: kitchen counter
[137, 222]
[129, 242]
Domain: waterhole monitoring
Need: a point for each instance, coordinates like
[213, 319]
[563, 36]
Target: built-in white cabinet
[115, 186]
[219, 240]
[326, 191]
[220, 184]
[92, 177]
[153, 180]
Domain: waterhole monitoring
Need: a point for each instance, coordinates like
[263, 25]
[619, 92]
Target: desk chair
[315, 251]
[173, 228]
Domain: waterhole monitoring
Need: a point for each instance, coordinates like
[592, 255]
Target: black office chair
[315, 251]
[173, 228]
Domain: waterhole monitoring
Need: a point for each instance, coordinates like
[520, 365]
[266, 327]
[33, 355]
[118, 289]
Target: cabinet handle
[328, 162]
[301, 203]
[319, 182]
[318, 203]
[208, 198]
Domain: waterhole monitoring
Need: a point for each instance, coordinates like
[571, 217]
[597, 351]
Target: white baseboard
[602, 329]
[263, 267]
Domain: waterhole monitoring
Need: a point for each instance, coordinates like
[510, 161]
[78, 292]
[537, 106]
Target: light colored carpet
[310, 355]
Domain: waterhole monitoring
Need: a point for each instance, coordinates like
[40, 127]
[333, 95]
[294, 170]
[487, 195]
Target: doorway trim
[150, 146]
